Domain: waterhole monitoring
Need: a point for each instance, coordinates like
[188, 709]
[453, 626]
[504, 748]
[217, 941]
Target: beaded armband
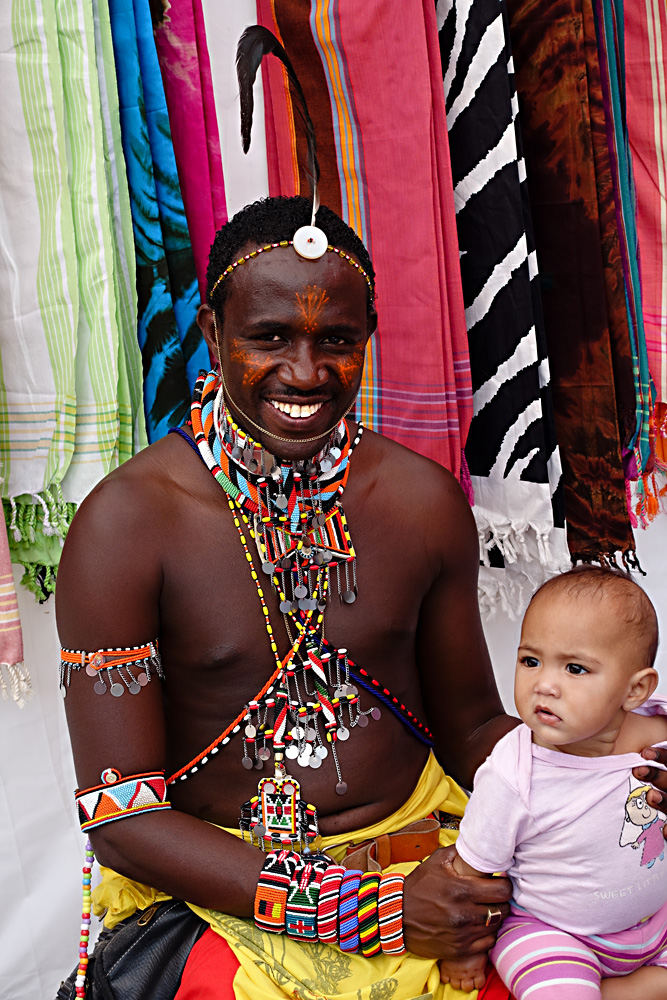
[131, 665]
[119, 797]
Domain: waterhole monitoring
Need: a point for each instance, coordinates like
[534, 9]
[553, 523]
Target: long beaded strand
[80, 984]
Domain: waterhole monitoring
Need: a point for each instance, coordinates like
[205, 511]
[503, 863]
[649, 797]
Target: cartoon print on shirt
[642, 827]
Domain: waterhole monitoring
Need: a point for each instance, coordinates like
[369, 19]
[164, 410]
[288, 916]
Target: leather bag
[143, 957]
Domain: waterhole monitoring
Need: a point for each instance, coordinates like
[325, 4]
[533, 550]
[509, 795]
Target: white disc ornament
[310, 242]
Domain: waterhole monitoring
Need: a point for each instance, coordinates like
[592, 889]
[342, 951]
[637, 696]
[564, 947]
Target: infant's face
[573, 670]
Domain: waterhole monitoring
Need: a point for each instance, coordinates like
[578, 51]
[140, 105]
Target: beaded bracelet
[327, 904]
[119, 797]
[302, 899]
[348, 911]
[273, 888]
[369, 928]
[390, 914]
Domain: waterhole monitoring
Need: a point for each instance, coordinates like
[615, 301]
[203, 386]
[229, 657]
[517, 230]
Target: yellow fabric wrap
[273, 967]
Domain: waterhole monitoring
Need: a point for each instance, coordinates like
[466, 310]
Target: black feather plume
[255, 43]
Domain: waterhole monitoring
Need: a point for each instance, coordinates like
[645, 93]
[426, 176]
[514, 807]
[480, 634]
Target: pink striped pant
[537, 961]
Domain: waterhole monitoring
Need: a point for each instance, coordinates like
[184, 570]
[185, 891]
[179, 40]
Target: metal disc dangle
[285, 607]
[376, 713]
[341, 788]
[362, 721]
[99, 687]
[300, 591]
[134, 687]
[281, 502]
[247, 763]
[349, 596]
[268, 568]
[117, 690]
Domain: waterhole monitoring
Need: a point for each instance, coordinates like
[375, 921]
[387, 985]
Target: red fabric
[494, 988]
[209, 971]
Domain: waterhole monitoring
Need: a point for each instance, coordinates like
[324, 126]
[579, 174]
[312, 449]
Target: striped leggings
[537, 961]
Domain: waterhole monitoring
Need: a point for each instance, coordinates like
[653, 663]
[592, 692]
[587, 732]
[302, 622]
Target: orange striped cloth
[14, 677]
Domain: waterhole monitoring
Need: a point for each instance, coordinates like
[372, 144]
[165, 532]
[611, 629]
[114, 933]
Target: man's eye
[576, 668]
[530, 661]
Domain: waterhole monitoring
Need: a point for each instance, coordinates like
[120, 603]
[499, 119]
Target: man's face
[292, 345]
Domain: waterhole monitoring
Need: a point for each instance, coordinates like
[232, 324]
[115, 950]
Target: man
[155, 552]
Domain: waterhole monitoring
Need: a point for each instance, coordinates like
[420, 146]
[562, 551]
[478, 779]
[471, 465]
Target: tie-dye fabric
[171, 344]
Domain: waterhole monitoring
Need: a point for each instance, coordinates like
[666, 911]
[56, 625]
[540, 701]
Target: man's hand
[445, 914]
[657, 797]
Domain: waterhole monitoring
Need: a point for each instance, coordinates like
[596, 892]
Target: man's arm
[464, 708]
[109, 586]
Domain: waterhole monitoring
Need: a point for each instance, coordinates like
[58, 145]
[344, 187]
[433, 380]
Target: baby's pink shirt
[557, 824]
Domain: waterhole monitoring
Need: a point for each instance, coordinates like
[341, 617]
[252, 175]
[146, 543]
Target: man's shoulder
[391, 462]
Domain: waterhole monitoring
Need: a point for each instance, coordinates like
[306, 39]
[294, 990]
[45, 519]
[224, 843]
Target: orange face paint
[348, 369]
[255, 365]
[310, 306]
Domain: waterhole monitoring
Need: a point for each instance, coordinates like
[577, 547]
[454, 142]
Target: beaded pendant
[277, 817]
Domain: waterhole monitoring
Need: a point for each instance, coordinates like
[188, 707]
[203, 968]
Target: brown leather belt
[413, 843]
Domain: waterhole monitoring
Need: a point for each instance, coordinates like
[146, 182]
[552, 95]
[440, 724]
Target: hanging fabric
[581, 273]
[646, 92]
[511, 448]
[383, 150]
[172, 347]
[71, 382]
[180, 40]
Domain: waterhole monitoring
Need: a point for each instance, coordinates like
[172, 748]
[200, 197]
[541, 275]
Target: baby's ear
[642, 685]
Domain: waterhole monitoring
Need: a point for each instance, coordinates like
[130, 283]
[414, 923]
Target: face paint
[310, 306]
[254, 366]
[348, 369]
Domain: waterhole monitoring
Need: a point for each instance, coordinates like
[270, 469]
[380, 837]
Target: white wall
[502, 635]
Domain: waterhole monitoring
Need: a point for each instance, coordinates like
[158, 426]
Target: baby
[556, 805]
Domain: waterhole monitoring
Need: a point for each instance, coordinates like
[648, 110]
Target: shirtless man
[154, 552]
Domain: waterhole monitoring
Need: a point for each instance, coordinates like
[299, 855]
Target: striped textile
[180, 40]
[511, 449]
[645, 40]
[383, 147]
[637, 451]
[536, 960]
[173, 350]
[69, 376]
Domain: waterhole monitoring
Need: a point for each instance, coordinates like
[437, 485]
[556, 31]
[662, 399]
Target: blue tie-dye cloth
[172, 347]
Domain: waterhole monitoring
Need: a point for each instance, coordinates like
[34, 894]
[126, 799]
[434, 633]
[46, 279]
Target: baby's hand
[465, 974]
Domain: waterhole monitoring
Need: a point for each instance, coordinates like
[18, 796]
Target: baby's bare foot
[465, 974]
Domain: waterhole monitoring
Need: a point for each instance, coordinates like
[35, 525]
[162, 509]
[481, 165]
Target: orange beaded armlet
[132, 666]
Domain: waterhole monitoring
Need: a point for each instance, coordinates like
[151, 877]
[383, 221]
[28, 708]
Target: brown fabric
[569, 178]
[413, 843]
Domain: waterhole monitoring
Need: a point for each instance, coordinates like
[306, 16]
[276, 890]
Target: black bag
[143, 957]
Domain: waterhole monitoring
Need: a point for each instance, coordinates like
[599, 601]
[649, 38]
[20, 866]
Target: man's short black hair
[270, 220]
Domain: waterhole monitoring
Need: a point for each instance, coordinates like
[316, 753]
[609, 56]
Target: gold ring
[493, 916]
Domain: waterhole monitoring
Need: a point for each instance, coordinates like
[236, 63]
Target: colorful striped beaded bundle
[132, 666]
[390, 914]
[348, 911]
[369, 927]
[327, 904]
[287, 243]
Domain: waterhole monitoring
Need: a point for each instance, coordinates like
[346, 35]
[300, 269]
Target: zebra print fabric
[511, 449]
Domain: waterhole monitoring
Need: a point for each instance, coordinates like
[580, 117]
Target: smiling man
[270, 626]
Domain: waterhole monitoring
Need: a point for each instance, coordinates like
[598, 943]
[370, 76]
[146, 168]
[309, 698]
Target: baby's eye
[530, 661]
[576, 668]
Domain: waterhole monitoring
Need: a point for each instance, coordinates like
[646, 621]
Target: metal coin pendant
[285, 607]
[292, 752]
[264, 753]
[314, 761]
[286, 563]
[259, 764]
[335, 452]
[236, 453]
[300, 591]
[310, 734]
[321, 520]
[281, 502]
[376, 713]
[303, 604]
[253, 465]
[349, 596]
[321, 752]
[343, 733]
[143, 678]
[250, 731]
[325, 465]
[362, 721]
[321, 605]
[311, 469]
[247, 763]
[63, 690]
[134, 688]
[341, 788]
[117, 690]
[259, 830]
[268, 568]
[100, 687]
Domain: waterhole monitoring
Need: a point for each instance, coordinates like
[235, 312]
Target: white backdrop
[41, 847]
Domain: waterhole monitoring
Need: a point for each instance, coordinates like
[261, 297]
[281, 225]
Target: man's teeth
[294, 410]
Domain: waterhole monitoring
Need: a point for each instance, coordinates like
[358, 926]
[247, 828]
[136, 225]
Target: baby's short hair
[633, 604]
